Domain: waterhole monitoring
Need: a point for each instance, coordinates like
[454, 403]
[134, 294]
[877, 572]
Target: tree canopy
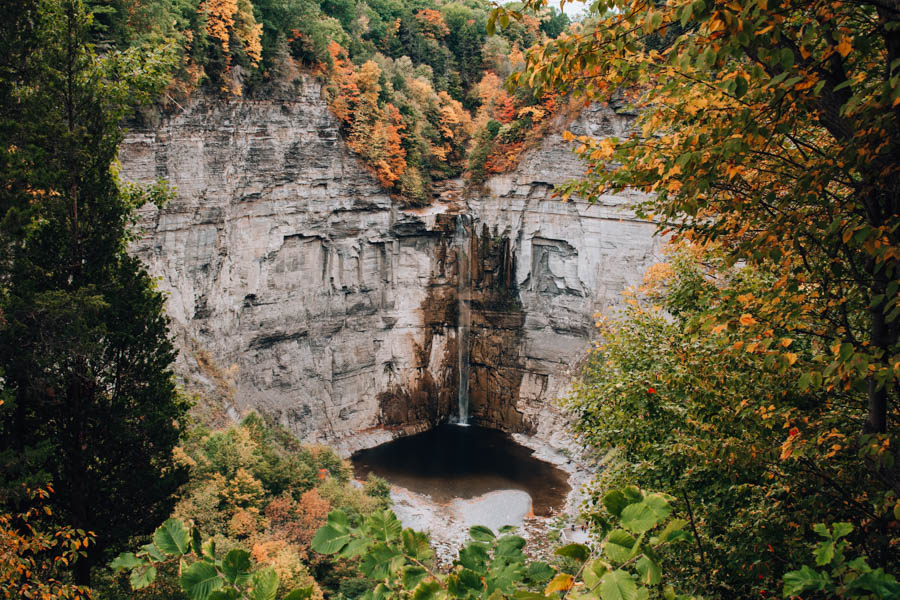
[770, 128]
[90, 398]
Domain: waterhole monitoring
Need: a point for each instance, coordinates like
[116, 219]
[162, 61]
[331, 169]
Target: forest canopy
[416, 85]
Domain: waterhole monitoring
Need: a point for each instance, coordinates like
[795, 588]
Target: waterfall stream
[464, 318]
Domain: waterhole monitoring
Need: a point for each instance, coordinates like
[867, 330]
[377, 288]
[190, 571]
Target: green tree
[84, 342]
[778, 127]
[732, 435]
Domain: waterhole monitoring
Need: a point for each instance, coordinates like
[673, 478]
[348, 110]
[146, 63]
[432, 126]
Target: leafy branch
[201, 574]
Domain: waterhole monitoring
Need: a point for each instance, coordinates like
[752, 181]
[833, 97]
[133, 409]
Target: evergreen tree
[83, 341]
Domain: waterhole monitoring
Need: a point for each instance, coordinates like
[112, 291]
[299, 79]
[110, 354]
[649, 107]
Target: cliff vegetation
[417, 86]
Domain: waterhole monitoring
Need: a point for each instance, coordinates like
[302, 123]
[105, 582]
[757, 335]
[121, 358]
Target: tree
[771, 130]
[84, 342]
[772, 127]
[730, 434]
[34, 559]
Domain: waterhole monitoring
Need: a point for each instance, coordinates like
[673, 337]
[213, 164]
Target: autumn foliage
[35, 555]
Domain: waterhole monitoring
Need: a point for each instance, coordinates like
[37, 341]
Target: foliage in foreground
[253, 486]
[35, 556]
[843, 577]
[635, 529]
[724, 426]
[202, 575]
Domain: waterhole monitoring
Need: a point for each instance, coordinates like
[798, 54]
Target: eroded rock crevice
[290, 270]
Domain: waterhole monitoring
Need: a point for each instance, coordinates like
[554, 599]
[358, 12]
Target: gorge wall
[296, 287]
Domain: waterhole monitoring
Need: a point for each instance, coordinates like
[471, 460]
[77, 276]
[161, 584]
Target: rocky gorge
[298, 288]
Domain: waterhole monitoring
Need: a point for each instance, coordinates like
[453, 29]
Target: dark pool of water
[451, 461]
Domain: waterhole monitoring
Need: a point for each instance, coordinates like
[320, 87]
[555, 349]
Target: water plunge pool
[453, 461]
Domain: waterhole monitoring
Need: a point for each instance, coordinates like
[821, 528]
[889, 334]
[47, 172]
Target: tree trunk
[881, 337]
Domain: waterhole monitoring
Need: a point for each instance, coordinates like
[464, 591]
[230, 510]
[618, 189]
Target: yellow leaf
[786, 342]
[561, 583]
[845, 46]
[747, 319]
[791, 357]
[786, 450]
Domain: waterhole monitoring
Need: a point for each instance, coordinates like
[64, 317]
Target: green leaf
[632, 493]
[649, 571]
[638, 518]
[384, 526]
[708, 58]
[614, 502]
[841, 529]
[199, 579]
[787, 58]
[264, 584]
[413, 576]
[153, 552]
[209, 549]
[673, 531]
[427, 591]
[466, 579]
[378, 561]
[480, 533]
[526, 595]
[578, 552]
[126, 560]
[876, 582]
[686, 13]
[740, 86]
[646, 514]
[329, 540]
[473, 556]
[594, 571]
[824, 553]
[224, 594]
[618, 585]
[356, 547]
[539, 572]
[172, 538]
[339, 521]
[507, 529]
[510, 546]
[236, 566]
[804, 580]
[415, 544]
[300, 593]
[142, 577]
[618, 545]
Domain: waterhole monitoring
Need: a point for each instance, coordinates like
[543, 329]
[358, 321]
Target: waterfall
[464, 315]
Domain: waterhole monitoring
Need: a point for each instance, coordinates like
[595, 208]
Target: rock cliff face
[573, 260]
[296, 287]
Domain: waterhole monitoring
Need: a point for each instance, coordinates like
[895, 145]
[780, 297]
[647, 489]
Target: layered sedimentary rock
[573, 259]
[297, 287]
